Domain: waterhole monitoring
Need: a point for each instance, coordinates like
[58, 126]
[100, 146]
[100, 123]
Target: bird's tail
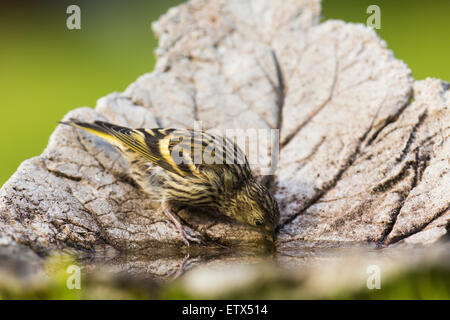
[121, 137]
[101, 129]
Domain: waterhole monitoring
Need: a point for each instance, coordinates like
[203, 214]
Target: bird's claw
[187, 238]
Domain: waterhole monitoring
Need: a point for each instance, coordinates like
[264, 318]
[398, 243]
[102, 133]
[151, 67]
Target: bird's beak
[271, 233]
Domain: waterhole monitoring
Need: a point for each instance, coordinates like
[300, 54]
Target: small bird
[186, 168]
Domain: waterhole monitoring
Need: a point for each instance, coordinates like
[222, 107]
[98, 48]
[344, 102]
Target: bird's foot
[187, 238]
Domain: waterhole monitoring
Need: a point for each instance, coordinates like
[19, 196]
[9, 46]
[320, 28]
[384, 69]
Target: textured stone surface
[393, 187]
[364, 149]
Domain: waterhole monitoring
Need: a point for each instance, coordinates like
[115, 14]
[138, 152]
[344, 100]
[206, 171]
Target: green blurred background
[47, 70]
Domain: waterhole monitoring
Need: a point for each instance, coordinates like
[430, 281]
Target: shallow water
[292, 271]
[169, 263]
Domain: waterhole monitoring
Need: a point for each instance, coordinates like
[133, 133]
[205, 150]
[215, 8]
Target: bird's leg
[168, 211]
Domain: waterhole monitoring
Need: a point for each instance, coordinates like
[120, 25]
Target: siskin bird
[187, 168]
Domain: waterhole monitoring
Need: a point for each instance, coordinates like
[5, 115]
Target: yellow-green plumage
[186, 168]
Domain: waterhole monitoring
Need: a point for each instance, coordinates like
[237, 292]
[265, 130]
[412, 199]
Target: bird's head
[252, 204]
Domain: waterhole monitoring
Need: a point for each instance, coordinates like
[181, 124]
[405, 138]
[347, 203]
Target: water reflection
[294, 271]
[170, 264]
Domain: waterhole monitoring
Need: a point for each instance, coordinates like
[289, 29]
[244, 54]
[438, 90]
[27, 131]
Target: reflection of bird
[186, 168]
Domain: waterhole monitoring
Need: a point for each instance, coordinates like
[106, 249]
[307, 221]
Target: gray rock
[364, 149]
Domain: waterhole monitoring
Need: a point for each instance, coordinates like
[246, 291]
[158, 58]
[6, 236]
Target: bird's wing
[143, 142]
[200, 152]
[180, 151]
